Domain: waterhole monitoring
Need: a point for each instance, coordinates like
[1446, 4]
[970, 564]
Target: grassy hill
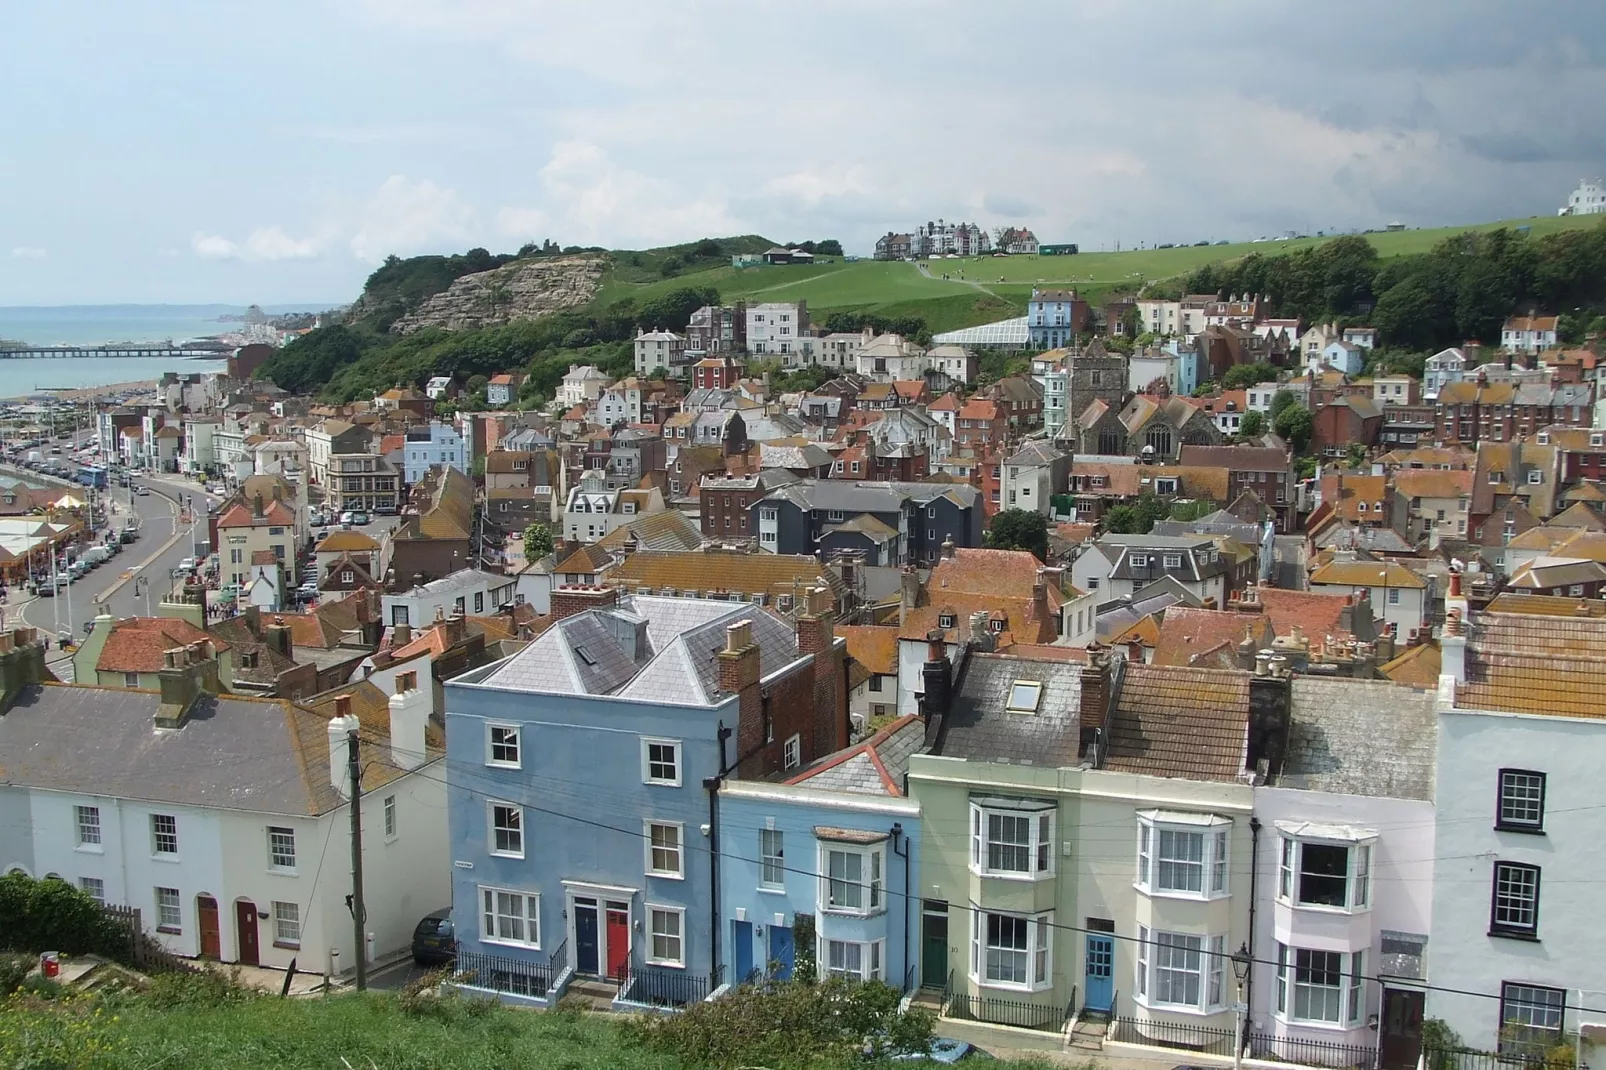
[998, 287]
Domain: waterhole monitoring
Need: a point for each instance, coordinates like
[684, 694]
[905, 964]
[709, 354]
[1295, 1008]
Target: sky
[194, 150]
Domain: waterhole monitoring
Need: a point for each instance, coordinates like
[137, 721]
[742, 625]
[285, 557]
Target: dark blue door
[782, 951]
[741, 950]
[585, 939]
[1100, 973]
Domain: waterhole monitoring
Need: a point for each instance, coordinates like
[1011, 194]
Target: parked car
[187, 565]
[361, 518]
[142, 490]
[434, 942]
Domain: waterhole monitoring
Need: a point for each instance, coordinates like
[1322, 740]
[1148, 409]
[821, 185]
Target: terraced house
[584, 775]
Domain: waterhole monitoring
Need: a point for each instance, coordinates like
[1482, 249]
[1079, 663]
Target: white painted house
[776, 327]
[210, 814]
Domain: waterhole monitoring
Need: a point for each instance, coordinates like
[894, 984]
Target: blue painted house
[1054, 318]
[582, 774]
[834, 849]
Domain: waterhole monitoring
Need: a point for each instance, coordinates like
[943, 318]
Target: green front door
[934, 944]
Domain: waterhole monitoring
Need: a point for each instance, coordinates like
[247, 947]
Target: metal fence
[1016, 1012]
[502, 973]
[1468, 1059]
[1172, 1035]
[662, 988]
[1312, 1052]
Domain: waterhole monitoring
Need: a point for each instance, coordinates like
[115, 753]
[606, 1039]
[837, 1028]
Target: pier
[212, 350]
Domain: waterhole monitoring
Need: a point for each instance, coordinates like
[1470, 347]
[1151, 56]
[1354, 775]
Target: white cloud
[27, 252]
[264, 243]
[405, 217]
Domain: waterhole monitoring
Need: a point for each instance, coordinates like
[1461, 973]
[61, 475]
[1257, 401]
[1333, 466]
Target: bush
[789, 1024]
[52, 915]
[203, 988]
[423, 997]
[13, 969]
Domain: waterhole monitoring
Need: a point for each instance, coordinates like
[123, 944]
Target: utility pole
[359, 913]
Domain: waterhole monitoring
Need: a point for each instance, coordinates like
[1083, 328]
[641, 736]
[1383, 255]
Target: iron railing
[1017, 1012]
[560, 960]
[1312, 1052]
[503, 973]
[1172, 1035]
[909, 979]
[662, 988]
[1434, 1058]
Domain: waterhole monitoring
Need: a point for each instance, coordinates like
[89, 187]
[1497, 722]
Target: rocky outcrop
[522, 290]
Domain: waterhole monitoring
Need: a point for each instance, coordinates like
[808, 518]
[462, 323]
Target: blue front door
[782, 951]
[741, 950]
[1100, 973]
[585, 937]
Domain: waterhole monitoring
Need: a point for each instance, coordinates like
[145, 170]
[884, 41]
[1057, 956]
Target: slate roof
[1180, 722]
[873, 767]
[1361, 737]
[980, 728]
[259, 755]
[581, 655]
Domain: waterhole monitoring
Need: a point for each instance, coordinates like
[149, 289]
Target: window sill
[506, 854]
[1331, 1027]
[503, 765]
[849, 912]
[1006, 986]
[665, 962]
[1513, 934]
[1523, 830]
[1322, 908]
[666, 876]
[768, 890]
[90, 849]
[662, 783]
[171, 859]
[1185, 897]
[287, 945]
[1010, 875]
[509, 943]
[275, 871]
[1180, 1008]
[169, 930]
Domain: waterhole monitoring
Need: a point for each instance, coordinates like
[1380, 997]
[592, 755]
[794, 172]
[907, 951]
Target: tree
[537, 542]
[1240, 376]
[1294, 425]
[1357, 454]
[1136, 518]
[1019, 529]
[672, 311]
[1253, 425]
[1280, 401]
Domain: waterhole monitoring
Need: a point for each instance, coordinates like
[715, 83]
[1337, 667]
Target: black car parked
[433, 940]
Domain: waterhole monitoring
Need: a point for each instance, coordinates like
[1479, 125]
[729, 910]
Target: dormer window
[1536, 477]
[996, 625]
[945, 621]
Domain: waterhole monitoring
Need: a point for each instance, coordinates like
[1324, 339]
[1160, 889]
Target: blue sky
[218, 151]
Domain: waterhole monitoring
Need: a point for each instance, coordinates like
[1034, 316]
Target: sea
[97, 324]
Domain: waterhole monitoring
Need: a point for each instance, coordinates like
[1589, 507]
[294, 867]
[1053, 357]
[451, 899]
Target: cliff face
[524, 289]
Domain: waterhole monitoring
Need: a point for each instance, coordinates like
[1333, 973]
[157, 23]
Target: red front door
[618, 939]
[245, 921]
[211, 933]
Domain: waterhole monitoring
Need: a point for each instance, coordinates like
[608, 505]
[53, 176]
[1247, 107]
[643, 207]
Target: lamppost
[1240, 971]
[142, 586]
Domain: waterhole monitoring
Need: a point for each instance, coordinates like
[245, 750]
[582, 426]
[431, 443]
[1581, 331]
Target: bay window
[1320, 987]
[1183, 854]
[852, 959]
[1328, 873]
[1011, 950]
[1182, 971]
[851, 879]
[1012, 839]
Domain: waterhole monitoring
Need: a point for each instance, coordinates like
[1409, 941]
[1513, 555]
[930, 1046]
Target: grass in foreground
[363, 1032]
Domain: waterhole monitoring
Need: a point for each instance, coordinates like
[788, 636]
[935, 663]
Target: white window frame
[163, 925]
[286, 920]
[390, 817]
[1348, 994]
[1158, 871]
[491, 915]
[792, 752]
[87, 819]
[654, 911]
[653, 848]
[1358, 874]
[281, 837]
[986, 821]
[94, 887]
[647, 762]
[871, 954]
[159, 836]
[1174, 953]
[512, 739]
[771, 859]
[1039, 950]
[515, 828]
[870, 884]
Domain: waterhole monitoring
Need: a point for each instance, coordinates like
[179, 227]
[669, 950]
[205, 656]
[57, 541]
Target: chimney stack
[409, 715]
[400, 635]
[180, 687]
[279, 636]
[908, 588]
[936, 677]
[578, 598]
[341, 727]
[948, 547]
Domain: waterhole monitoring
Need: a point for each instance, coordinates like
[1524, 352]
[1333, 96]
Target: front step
[1088, 1035]
[599, 994]
[929, 998]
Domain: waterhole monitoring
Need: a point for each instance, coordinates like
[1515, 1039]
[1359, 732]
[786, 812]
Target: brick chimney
[575, 598]
[908, 587]
[816, 634]
[739, 674]
[278, 636]
[180, 683]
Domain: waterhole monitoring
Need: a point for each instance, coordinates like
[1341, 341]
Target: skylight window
[584, 655]
[1024, 695]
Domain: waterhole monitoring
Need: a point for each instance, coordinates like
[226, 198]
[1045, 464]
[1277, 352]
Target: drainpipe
[711, 785]
[1254, 885]
[908, 895]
